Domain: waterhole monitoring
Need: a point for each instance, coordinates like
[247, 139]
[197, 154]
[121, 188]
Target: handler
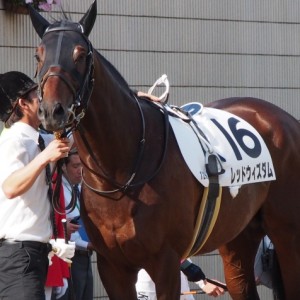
[25, 226]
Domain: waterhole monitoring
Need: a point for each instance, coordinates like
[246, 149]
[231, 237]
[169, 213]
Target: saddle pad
[243, 153]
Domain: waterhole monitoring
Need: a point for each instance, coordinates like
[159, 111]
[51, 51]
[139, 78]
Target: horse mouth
[53, 118]
[52, 125]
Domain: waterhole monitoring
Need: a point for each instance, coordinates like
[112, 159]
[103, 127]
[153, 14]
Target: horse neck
[112, 124]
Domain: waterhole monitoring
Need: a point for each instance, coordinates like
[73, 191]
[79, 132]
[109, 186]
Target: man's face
[34, 106]
[73, 169]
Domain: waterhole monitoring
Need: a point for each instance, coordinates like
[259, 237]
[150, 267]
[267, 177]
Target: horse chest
[114, 221]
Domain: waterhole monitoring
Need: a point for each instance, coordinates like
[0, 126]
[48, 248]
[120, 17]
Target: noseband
[82, 95]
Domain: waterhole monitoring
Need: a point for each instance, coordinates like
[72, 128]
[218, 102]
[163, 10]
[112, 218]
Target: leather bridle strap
[61, 76]
[130, 182]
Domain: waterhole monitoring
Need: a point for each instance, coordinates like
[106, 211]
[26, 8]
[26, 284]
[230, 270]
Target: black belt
[29, 244]
[84, 252]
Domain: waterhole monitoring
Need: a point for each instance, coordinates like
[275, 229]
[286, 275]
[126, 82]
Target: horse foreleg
[238, 260]
[119, 281]
[165, 272]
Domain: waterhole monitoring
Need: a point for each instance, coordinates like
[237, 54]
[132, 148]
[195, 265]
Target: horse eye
[80, 58]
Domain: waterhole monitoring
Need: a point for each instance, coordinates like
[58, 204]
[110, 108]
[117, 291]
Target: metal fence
[210, 263]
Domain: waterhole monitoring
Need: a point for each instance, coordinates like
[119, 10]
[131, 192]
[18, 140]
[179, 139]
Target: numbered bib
[242, 151]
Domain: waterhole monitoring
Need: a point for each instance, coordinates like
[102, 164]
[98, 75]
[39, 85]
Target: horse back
[280, 130]
[281, 133]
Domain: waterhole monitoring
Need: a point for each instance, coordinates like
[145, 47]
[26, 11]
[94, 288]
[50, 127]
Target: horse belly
[236, 213]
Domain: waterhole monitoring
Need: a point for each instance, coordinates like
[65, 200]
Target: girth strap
[208, 212]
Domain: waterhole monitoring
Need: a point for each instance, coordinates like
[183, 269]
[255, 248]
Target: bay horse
[140, 200]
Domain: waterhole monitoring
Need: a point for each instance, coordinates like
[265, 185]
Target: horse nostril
[58, 110]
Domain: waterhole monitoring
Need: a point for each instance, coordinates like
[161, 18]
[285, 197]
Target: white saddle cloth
[241, 150]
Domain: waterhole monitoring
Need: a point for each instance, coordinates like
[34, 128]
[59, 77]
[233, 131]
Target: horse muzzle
[53, 117]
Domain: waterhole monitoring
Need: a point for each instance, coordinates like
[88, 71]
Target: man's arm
[21, 180]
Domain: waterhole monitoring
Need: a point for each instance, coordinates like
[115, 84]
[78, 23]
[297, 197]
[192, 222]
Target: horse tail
[277, 283]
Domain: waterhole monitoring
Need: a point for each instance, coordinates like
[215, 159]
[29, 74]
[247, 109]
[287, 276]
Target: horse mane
[63, 17]
[113, 71]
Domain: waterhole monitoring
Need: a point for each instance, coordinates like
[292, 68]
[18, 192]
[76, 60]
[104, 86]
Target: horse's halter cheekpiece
[81, 96]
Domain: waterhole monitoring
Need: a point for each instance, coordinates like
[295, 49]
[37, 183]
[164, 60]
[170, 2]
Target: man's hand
[71, 228]
[90, 247]
[55, 150]
[63, 250]
[210, 288]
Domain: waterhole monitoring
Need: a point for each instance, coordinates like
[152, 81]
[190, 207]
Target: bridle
[81, 97]
[83, 94]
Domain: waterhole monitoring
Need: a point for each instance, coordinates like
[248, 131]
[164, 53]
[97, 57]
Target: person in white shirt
[145, 287]
[25, 223]
[81, 268]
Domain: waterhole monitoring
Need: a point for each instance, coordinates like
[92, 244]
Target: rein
[57, 180]
[129, 183]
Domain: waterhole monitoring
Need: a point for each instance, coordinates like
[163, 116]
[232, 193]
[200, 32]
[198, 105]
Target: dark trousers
[82, 276]
[23, 270]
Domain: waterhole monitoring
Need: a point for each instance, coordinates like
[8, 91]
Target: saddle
[185, 113]
[220, 149]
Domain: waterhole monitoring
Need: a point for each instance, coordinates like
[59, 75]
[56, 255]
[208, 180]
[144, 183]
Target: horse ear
[39, 23]
[88, 20]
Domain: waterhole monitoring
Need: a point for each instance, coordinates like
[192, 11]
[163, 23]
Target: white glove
[201, 283]
[50, 255]
[61, 290]
[63, 250]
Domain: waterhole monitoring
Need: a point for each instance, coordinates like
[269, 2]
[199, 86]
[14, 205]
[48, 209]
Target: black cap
[13, 85]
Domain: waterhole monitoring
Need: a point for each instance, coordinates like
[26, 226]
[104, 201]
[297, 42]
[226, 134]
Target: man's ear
[23, 103]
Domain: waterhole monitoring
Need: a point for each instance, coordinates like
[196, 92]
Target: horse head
[64, 68]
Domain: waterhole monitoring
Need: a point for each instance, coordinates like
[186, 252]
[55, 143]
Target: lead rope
[50, 190]
[57, 207]
[58, 182]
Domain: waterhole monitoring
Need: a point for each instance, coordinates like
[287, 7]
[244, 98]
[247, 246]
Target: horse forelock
[64, 25]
